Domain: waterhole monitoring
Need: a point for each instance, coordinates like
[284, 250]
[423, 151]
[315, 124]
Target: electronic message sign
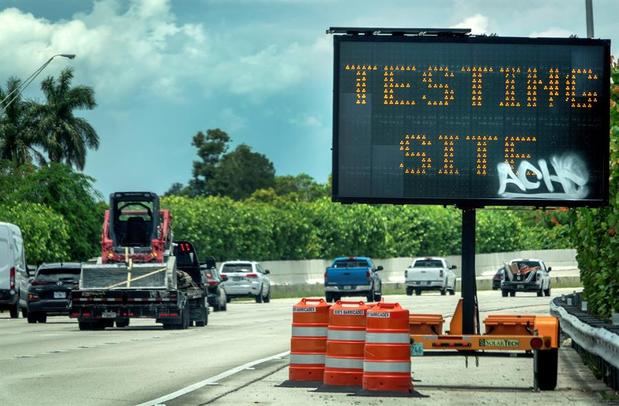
[471, 120]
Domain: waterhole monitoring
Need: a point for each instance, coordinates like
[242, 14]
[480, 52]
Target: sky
[261, 70]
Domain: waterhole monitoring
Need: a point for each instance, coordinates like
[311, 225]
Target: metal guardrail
[597, 341]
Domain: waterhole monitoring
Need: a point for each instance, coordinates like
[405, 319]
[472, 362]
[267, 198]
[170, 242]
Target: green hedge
[594, 232]
[45, 232]
[229, 229]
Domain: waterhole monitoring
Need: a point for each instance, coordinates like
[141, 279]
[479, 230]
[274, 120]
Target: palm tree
[66, 137]
[18, 137]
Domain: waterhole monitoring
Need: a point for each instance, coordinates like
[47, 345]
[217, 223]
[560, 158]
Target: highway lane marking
[211, 381]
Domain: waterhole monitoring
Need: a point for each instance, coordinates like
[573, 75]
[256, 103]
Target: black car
[49, 290]
[217, 296]
[497, 278]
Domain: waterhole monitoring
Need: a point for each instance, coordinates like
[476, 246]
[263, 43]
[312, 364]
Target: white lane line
[210, 381]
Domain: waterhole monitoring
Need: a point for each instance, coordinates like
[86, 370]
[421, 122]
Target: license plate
[60, 295]
[237, 278]
[520, 286]
[417, 350]
[347, 287]
[108, 315]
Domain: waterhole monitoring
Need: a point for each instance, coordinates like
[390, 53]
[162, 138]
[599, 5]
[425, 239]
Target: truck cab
[353, 276]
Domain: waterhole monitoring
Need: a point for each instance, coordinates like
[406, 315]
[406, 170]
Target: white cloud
[478, 24]
[307, 120]
[124, 49]
[552, 32]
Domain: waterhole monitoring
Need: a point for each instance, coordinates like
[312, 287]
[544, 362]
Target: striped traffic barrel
[345, 342]
[308, 344]
[387, 363]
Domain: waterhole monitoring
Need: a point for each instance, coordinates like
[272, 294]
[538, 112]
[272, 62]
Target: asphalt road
[56, 364]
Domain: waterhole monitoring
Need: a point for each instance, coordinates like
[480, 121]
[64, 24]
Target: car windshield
[528, 264]
[350, 263]
[428, 263]
[236, 268]
[58, 274]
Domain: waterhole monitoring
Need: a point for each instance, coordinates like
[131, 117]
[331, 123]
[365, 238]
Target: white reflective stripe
[309, 331]
[388, 338]
[346, 335]
[307, 358]
[353, 363]
[369, 366]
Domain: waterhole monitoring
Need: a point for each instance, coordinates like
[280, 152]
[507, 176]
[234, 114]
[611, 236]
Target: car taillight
[12, 278]
[406, 273]
[536, 343]
[32, 297]
[251, 275]
[212, 283]
[440, 274]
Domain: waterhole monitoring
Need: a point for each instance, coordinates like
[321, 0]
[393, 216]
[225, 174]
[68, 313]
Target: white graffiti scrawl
[569, 180]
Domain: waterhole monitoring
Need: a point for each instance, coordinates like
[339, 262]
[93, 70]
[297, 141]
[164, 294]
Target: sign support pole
[468, 270]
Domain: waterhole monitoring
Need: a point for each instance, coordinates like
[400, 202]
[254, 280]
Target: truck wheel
[329, 297]
[540, 293]
[370, 297]
[443, 292]
[409, 291]
[512, 293]
[377, 297]
[32, 318]
[452, 292]
[547, 291]
[13, 311]
[42, 318]
[84, 325]
[122, 323]
[503, 293]
[24, 312]
[418, 292]
[546, 364]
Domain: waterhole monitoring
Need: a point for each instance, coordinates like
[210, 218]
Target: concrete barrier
[312, 271]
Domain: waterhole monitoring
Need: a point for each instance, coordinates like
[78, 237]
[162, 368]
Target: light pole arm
[10, 98]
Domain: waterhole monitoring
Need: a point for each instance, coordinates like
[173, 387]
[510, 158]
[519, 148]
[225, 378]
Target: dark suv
[49, 291]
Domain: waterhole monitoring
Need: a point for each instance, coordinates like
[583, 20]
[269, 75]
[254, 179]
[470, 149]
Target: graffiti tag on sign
[568, 179]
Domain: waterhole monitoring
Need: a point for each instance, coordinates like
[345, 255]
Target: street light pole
[11, 97]
[589, 12]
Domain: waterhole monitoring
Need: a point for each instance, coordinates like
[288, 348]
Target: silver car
[246, 278]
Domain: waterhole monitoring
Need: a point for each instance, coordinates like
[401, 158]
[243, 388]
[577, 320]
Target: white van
[12, 267]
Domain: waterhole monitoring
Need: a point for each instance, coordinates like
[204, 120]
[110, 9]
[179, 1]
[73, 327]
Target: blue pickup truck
[353, 276]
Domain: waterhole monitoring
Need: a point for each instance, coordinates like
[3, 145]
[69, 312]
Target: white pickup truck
[430, 274]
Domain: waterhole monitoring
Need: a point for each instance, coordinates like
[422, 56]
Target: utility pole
[589, 8]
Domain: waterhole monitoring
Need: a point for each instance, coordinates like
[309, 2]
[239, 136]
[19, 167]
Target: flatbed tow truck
[137, 274]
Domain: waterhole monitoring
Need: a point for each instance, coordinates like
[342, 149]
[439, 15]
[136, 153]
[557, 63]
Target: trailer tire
[546, 365]
[121, 323]
[13, 311]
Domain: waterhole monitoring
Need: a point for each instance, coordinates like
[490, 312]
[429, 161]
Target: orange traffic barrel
[345, 342]
[387, 362]
[308, 345]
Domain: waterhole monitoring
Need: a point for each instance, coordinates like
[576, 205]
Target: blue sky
[259, 69]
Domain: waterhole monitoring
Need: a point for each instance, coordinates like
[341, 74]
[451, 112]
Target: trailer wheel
[84, 325]
[546, 363]
[13, 311]
[121, 323]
